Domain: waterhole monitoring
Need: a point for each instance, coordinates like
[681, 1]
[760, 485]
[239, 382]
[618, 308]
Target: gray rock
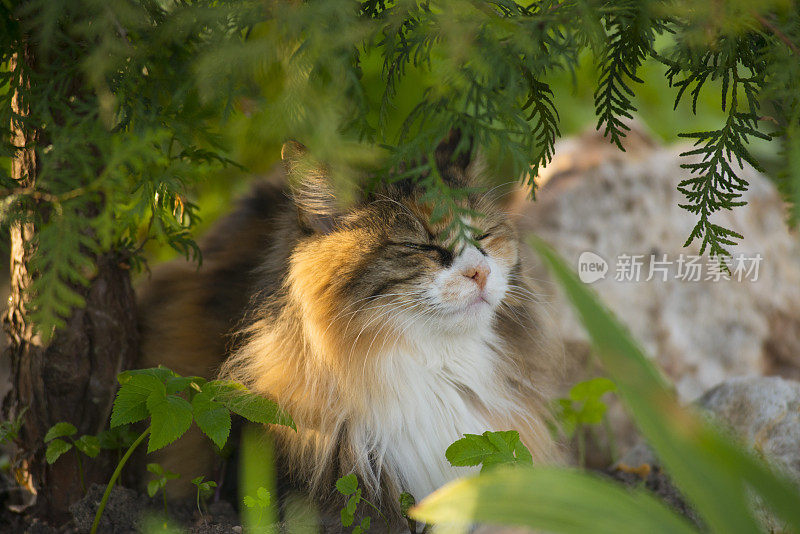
[765, 413]
[596, 198]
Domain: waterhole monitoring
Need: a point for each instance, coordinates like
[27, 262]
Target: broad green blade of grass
[257, 481]
[712, 471]
[551, 499]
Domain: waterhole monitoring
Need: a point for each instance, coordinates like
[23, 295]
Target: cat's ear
[312, 191]
[454, 158]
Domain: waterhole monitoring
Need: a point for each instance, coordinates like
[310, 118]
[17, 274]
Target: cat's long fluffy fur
[383, 345]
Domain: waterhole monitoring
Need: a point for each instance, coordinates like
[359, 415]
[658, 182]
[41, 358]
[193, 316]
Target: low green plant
[583, 407]
[172, 402]
[260, 501]
[720, 478]
[348, 486]
[489, 450]
[407, 502]
[86, 444]
[162, 476]
[205, 489]
[117, 439]
[9, 430]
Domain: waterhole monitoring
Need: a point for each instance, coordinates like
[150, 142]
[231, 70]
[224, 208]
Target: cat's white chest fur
[428, 401]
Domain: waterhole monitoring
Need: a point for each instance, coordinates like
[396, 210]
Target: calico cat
[383, 343]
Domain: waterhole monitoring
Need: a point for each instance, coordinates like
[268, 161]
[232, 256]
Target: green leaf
[489, 449]
[262, 499]
[347, 485]
[88, 445]
[523, 454]
[550, 499]
[155, 468]
[206, 488]
[213, 418]
[117, 438]
[470, 450]
[176, 384]
[352, 502]
[130, 405]
[154, 485]
[56, 448]
[364, 526]
[252, 407]
[60, 430]
[592, 389]
[406, 502]
[346, 517]
[715, 474]
[170, 418]
[160, 373]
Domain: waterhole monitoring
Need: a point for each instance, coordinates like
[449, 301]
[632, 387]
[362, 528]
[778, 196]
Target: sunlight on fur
[384, 344]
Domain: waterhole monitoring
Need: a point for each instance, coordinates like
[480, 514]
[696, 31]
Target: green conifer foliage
[160, 82]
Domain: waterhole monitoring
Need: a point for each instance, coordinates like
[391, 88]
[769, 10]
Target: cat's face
[383, 269]
[384, 266]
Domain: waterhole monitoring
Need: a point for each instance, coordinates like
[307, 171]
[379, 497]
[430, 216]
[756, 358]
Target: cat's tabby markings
[383, 344]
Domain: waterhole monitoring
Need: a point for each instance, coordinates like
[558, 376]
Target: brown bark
[73, 377]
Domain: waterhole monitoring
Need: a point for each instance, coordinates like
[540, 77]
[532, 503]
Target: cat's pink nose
[479, 273]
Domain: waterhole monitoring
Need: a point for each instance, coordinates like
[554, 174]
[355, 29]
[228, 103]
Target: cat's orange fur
[364, 327]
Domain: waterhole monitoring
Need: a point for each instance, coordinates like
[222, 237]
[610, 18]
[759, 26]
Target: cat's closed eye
[445, 256]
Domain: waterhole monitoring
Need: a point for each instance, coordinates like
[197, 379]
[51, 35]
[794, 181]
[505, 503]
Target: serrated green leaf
[346, 517]
[130, 404]
[250, 501]
[213, 418]
[56, 448]
[488, 450]
[60, 430]
[170, 418]
[263, 496]
[176, 384]
[160, 373]
[348, 484]
[254, 407]
[523, 454]
[88, 445]
[470, 450]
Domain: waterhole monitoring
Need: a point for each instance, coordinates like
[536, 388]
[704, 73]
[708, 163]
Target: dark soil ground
[129, 511]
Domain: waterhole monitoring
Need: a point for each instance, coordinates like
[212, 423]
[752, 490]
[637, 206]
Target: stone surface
[764, 412]
[596, 198]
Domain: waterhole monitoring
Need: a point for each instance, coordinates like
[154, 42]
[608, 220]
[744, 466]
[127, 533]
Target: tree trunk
[73, 377]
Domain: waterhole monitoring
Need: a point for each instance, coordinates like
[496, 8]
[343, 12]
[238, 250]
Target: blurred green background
[573, 94]
[573, 97]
